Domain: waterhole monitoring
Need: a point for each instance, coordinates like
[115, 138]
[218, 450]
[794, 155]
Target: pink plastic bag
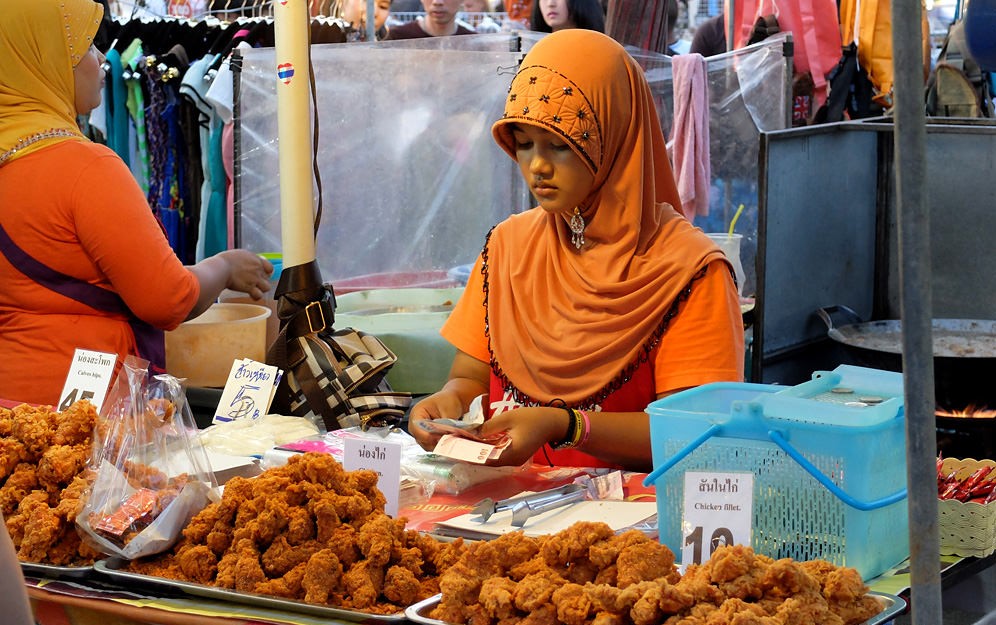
[815, 29]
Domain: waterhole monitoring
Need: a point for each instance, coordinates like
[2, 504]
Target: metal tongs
[525, 506]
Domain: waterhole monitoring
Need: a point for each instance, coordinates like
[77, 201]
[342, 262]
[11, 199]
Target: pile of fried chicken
[43, 477]
[589, 575]
[308, 531]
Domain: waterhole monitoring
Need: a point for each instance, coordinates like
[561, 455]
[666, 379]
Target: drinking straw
[733, 222]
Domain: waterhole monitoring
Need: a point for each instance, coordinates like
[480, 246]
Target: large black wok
[964, 353]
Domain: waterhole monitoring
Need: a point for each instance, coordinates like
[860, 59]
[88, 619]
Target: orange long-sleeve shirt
[75, 207]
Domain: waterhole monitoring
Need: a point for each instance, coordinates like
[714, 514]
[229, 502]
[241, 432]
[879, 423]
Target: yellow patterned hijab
[565, 323]
[41, 41]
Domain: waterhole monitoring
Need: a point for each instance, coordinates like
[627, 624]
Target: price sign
[89, 377]
[381, 457]
[718, 510]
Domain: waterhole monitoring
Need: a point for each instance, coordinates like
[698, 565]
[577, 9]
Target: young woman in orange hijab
[582, 311]
[83, 261]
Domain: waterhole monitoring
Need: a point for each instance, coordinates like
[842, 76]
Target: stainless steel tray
[51, 571]
[111, 569]
[893, 606]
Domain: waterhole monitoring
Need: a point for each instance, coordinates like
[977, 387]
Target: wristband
[573, 435]
[586, 428]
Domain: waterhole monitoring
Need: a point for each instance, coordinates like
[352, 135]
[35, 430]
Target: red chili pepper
[983, 489]
[949, 491]
[977, 477]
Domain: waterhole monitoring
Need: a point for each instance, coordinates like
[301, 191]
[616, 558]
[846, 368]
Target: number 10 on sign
[718, 510]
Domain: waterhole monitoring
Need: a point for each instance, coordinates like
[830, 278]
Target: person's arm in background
[16, 609]
[239, 270]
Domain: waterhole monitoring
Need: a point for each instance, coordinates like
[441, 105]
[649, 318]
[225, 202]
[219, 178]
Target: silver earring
[577, 228]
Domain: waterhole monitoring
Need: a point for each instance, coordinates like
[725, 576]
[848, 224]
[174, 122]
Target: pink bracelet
[587, 429]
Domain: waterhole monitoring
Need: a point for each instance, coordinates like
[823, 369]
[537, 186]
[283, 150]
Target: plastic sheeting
[412, 180]
[748, 94]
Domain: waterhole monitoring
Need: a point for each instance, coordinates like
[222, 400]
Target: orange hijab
[565, 323]
[41, 41]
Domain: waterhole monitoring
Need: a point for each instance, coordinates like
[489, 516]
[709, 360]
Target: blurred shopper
[710, 37]
[355, 12]
[675, 43]
[553, 15]
[439, 21]
[483, 23]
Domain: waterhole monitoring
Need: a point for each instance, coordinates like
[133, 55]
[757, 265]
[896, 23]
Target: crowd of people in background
[447, 17]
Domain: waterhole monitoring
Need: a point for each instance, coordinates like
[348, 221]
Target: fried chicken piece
[572, 544]
[248, 572]
[343, 542]
[363, 584]
[280, 557]
[737, 571]
[545, 614]
[198, 563]
[323, 574]
[786, 578]
[535, 590]
[59, 464]
[12, 453]
[72, 498]
[844, 585]
[6, 421]
[327, 519]
[847, 596]
[75, 425]
[377, 538]
[806, 610]
[573, 605]
[608, 618]
[35, 427]
[300, 529]
[22, 481]
[604, 553]
[644, 562]
[290, 586]
[497, 597]
[401, 586]
[42, 529]
[857, 611]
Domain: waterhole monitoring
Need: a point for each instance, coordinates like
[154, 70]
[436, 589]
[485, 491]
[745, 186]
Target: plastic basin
[202, 350]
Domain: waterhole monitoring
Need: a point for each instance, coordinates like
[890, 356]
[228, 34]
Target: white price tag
[248, 391]
[89, 378]
[382, 457]
[718, 510]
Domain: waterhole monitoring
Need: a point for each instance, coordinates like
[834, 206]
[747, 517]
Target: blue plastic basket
[829, 469]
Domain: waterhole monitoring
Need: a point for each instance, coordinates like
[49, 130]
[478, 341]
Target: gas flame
[970, 412]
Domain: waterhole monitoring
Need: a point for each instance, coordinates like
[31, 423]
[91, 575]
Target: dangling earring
[577, 228]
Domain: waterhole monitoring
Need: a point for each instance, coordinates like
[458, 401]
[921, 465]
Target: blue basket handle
[777, 438]
[875, 504]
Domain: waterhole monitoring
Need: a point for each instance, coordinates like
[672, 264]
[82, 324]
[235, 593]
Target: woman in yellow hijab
[83, 260]
[582, 311]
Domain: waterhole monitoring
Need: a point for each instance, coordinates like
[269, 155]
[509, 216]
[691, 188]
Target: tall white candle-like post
[297, 205]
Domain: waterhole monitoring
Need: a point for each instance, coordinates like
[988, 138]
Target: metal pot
[964, 353]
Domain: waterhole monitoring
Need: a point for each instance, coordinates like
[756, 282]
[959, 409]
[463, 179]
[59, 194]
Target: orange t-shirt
[695, 349]
[75, 207]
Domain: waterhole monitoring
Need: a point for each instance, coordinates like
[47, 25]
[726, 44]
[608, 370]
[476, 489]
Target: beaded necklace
[24, 142]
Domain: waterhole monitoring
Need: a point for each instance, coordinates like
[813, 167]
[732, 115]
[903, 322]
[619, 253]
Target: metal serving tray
[51, 571]
[111, 568]
[893, 606]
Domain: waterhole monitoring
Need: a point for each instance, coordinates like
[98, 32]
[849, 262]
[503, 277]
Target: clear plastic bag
[152, 474]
